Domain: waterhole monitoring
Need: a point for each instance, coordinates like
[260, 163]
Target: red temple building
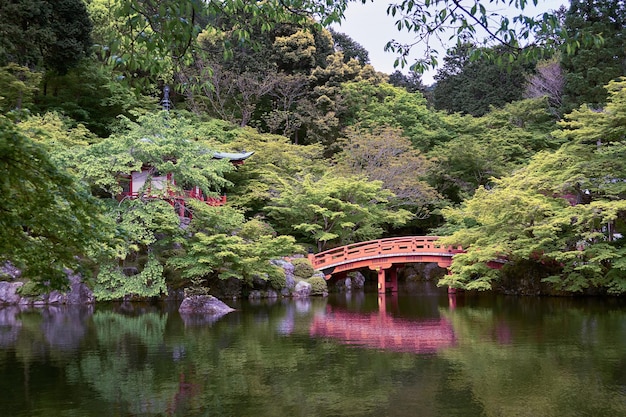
[145, 183]
[151, 184]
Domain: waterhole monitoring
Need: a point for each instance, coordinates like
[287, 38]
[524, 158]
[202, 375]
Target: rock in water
[204, 304]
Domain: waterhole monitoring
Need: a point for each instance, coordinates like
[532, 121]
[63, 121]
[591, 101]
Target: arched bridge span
[383, 255]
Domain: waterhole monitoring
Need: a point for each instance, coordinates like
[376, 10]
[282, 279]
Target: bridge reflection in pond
[381, 330]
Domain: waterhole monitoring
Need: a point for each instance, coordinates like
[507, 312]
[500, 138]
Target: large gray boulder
[8, 270]
[205, 305]
[290, 281]
[302, 289]
[8, 292]
[358, 281]
[79, 292]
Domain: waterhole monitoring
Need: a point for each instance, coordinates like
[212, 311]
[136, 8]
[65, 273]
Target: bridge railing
[380, 247]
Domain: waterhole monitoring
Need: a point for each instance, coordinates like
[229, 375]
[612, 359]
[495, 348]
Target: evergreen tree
[44, 34]
[90, 94]
[471, 86]
[411, 82]
[350, 48]
[593, 65]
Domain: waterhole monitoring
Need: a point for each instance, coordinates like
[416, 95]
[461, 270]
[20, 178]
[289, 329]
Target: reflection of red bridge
[381, 331]
[384, 255]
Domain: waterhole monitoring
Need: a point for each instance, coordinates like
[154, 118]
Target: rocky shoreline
[79, 293]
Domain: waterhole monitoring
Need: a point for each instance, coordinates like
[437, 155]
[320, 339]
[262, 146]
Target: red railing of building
[211, 201]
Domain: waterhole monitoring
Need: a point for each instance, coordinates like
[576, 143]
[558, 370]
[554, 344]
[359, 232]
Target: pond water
[424, 354]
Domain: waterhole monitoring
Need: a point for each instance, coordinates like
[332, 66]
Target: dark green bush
[318, 285]
[302, 268]
[30, 289]
[277, 278]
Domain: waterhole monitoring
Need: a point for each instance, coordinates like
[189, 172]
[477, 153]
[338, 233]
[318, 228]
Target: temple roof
[232, 156]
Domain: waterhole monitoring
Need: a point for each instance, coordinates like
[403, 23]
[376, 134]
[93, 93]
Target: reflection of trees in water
[253, 369]
[10, 326]
[113, 328]
[65, 327]
[261, 360]
[555, 364]
[241, 365]
[54, 328]
[119, 382]
[129, 367]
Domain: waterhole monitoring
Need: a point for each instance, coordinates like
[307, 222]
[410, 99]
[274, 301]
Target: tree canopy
[342, 152]
[44, 34]
[331, 210]
[556, 212]
[49, 221]
[590, 67]
[472, 86]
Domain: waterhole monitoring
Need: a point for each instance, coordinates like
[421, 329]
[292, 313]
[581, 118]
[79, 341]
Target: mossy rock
[302, 268]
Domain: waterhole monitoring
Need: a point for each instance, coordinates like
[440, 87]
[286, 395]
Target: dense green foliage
[334, 210]
[590, 67]
[230, 250]
[468, 86]
[342, 153]
[48, 219]
[491, 146]
[564, 210]
[50, 34]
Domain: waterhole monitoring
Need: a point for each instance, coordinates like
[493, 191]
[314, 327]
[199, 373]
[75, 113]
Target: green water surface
[423, 354]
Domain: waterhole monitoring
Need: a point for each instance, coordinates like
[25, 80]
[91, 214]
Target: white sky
[369, 25]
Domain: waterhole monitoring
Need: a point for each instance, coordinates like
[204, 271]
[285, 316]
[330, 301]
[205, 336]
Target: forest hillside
[153, 146]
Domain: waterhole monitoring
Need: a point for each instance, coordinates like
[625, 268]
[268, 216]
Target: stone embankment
[78, 293]
[297, 284]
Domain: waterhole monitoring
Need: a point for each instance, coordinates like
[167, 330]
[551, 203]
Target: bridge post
[393, 275]
[451, 301]
[451, 290]
[381, 281]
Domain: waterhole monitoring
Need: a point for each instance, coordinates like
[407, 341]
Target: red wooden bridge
[384, 256]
